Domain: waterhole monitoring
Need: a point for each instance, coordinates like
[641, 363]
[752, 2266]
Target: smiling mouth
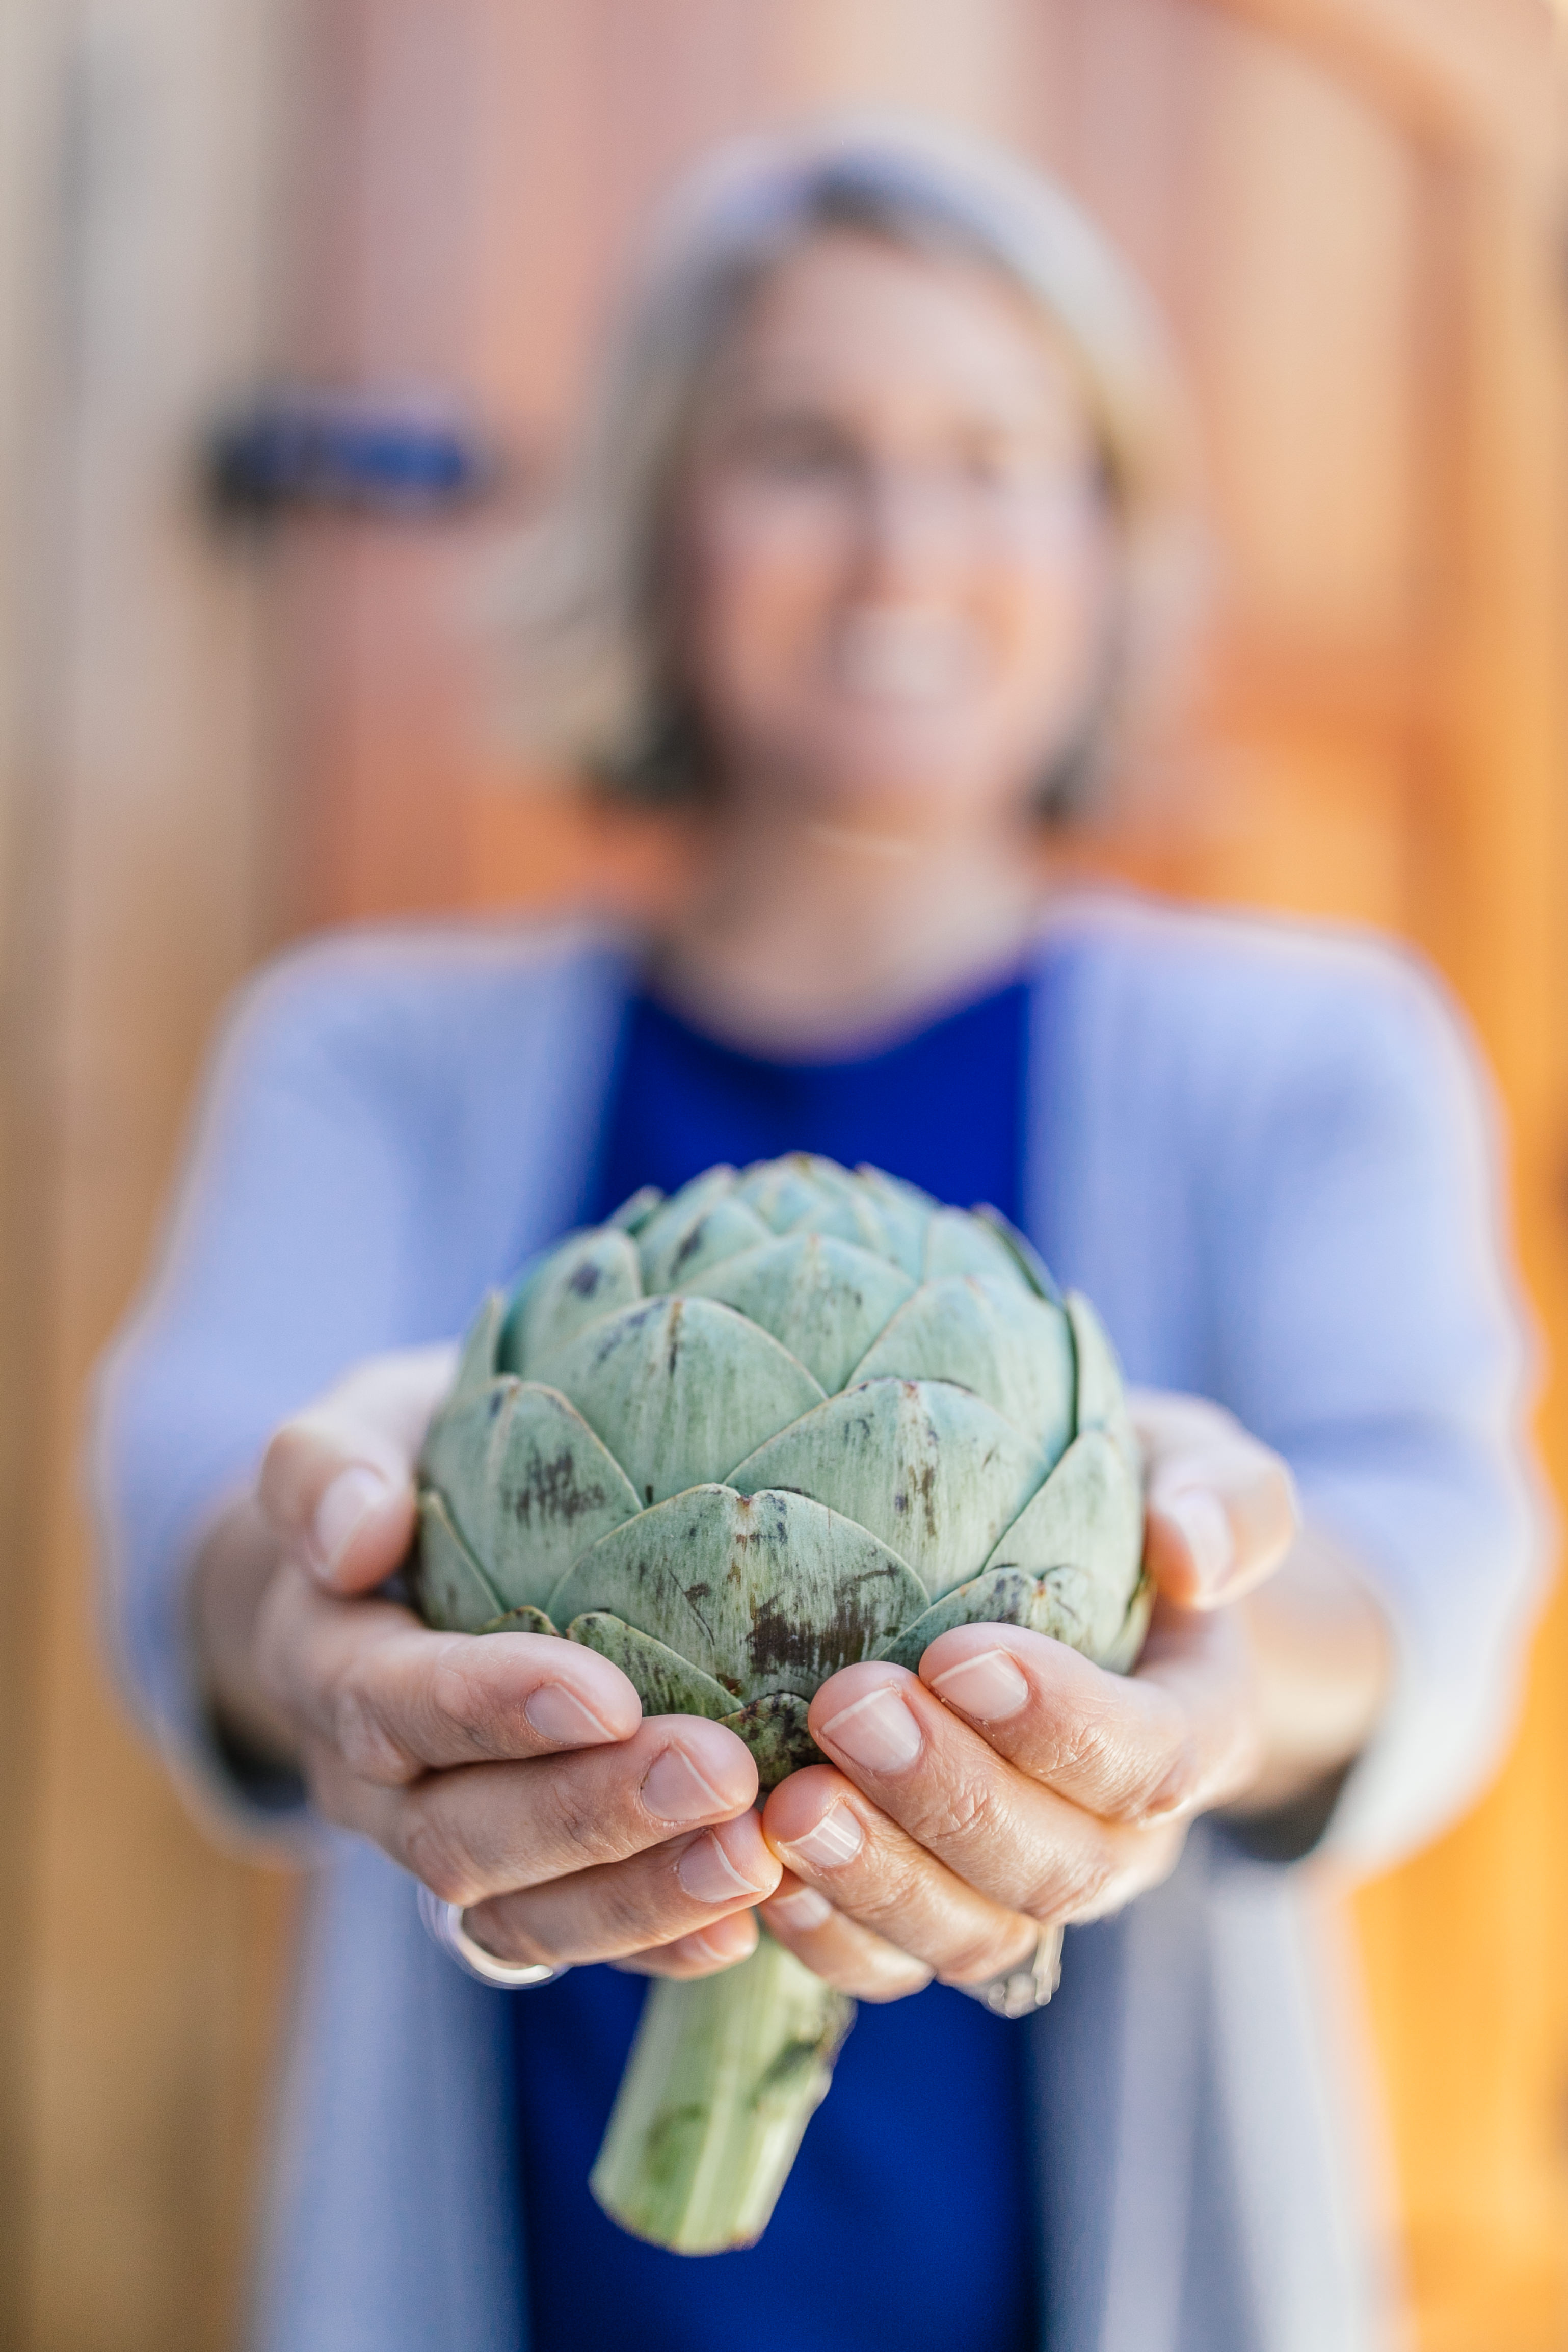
[885, 654]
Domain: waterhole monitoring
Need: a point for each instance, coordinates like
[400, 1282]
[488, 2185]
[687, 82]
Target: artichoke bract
[788, 1417]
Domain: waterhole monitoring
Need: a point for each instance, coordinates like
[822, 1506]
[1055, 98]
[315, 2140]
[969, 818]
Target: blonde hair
[596, 692]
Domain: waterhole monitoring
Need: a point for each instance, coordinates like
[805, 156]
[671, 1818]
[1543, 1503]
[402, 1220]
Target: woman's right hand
[513, 1774]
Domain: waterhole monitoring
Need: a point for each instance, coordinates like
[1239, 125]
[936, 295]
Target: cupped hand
[1011, 1785]
[514, 1775]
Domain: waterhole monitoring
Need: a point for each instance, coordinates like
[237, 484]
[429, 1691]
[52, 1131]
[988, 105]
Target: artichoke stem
[724, 2077]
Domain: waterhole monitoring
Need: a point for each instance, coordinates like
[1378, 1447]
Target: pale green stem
[724, 2077]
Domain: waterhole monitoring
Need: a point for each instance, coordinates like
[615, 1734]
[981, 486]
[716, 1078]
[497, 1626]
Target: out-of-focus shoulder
[1232, 974]
[407, 959]
[393, 974]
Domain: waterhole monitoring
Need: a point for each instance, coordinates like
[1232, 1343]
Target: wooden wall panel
[142, 1967]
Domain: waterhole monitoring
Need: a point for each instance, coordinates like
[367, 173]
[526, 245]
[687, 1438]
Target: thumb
[1220, 1510]
[336, 1480]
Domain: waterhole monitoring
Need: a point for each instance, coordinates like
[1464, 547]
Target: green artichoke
[788, 1417]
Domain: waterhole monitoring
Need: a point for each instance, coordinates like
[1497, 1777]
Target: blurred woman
[865, 560]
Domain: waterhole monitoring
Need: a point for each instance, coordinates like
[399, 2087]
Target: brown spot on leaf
[926, 1483]
[780, 1643]
[552, 1493]
[690, 1244]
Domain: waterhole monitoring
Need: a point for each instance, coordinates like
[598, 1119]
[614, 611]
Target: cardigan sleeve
[392, 1122]
[282, 1263]
[1366, 1323]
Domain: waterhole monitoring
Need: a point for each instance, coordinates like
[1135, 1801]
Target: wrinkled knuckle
[886, 1901]
[588, 1827]
[972, 1811]
[461, 1700]
[1084, 1748]
[620, 1912]
[436, 1856]
[1076, 1885]
[366, 1744]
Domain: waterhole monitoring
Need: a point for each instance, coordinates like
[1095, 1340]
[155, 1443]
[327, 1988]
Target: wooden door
[1351, 210]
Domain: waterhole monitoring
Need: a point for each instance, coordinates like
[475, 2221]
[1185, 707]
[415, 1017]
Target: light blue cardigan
[1265, 1153]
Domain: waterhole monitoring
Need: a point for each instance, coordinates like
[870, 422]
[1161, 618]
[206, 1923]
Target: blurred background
[295, 302]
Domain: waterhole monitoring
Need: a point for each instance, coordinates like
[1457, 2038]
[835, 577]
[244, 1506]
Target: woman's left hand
[1011, 1784]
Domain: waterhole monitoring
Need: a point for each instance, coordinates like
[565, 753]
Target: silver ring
[444, 1924]
[1020, 1991]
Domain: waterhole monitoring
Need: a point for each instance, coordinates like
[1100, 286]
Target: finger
[1220, 1508]
[1179, 1736]
[493, 1828]
[1020, 1845]
[614, 1910]
[336, 1480]
[395, 1700]
[865, 1966]
[880, 1879]
[702, 1954]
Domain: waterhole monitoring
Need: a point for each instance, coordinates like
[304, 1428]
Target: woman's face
[892, 561]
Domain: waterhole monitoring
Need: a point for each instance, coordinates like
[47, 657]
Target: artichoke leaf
[774, 1728]
[712, 1237]
[824, 1300]
[520, 1621]
[528, 1484]
[1122, 1655]
[933, 1472]
[666, 1683]
[1009, 1348]
[1001, 1596]
[477, 1365]
[1032, 1266]
[671, 1217]
[784, 1192]
[634, 1213]
[587, 1277]
[958, 1244]
[841, 1217]
[1085, 1523]
[680, 1389]
[905, 1212]
[763, 1592]
[1101, 1401]
[808, 1194]
[454, 1594]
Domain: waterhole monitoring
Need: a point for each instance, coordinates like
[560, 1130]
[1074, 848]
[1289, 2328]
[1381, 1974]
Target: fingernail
[708, 1876]
[675, 1791]
[990, 1687]
[342, 1510]
[1201, 1516]
[802, 1909]
[559, 1714]
[837, 1838]
[878, 1732]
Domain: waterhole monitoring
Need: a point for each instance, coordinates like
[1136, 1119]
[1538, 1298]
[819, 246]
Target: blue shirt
[926, 2114]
